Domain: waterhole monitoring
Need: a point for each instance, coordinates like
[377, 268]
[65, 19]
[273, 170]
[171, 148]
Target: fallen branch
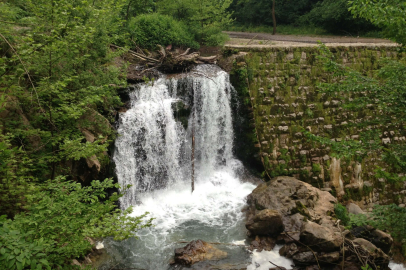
[142, 57]
[276, 265]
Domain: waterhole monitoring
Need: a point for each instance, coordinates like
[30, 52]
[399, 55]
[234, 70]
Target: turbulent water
[153, 154]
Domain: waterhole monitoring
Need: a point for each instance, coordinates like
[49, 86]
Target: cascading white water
[148, 148]
[152, 149]
[153, 154]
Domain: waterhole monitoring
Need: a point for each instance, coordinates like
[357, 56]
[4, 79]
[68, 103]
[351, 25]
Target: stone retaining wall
[283, 91]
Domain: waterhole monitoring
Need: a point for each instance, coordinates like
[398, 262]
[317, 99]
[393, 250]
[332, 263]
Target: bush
[60, 216]
[333, 16]
[342, 214]
[212, 36]
[148, 30]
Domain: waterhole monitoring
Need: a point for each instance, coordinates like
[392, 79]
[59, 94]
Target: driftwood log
[166, 61]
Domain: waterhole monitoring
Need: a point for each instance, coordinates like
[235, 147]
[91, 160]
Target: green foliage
[64, 58]
[14, 177]
[385, 217]
[58, 82]
[385, 93]
[366, 267]
[342, 214]
[388, 14]
[316, 168]
[59, 217]
[148, 30]
[254, 13]
[299, 17]
[333, 16]
[205, 18]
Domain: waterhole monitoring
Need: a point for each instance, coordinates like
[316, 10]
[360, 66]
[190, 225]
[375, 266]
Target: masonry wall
[283, 91]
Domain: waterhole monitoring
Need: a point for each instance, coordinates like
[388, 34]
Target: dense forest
[59, 82]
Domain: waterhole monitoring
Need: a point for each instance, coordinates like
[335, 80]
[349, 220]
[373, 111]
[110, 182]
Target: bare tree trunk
[128, 10]
[273, 18]
[193, 154]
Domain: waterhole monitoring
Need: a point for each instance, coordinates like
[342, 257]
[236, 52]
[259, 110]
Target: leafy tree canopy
[388, 14]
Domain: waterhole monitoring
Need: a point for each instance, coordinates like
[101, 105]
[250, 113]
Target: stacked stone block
[283, 85]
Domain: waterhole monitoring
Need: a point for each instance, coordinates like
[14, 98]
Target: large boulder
[310, 230]
[266, 222]
[321, 238]
[379, 238]
[380, 258]
[293, 199]
[196, 251]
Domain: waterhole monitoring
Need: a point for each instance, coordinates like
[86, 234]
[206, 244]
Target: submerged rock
[196, 251]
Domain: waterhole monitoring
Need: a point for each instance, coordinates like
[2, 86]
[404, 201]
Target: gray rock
[378, 238]
[352, 208]
[330, 257]
[304, 258]
[365, 244]
[322, 238]
[197, 251]
[266, 222]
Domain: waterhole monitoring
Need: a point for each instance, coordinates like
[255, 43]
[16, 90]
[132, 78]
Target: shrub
[342, 214]
[148, 30]
[59, 217]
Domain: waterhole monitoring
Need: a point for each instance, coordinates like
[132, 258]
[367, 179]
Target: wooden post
[193, 153]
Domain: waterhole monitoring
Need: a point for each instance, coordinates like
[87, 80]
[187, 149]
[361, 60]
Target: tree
[58, 81]
[205, 18]
[273, 18]
[58, 72]
[334, 16]
[388, 14]
[60, 216]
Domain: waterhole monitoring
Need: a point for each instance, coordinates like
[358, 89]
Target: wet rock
[265, 222]
[330, 257]
[196, 251]
[304, 258]
[289, 250]
[322, 238]
[262, 243]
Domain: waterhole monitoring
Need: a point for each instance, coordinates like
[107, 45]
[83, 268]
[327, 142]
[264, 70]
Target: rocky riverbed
[300, 219]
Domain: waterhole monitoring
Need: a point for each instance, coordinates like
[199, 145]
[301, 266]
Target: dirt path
[238, 39]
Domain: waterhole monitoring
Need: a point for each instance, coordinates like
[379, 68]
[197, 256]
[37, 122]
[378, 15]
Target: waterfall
[153, 154]
[153, 149]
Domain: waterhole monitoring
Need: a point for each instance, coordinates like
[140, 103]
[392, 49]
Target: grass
[297, 30]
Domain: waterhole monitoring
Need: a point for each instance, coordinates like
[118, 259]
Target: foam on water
[396, 266]
[216, 201]
[261, 260]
